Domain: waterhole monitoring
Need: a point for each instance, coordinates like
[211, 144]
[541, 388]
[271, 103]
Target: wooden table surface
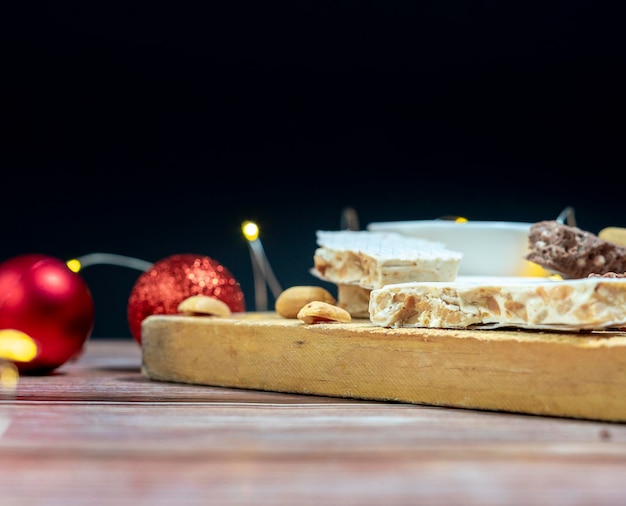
[98, 432]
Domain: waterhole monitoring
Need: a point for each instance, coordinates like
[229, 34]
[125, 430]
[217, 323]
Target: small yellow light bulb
[250, 230]
[460, 219]
[74, 264]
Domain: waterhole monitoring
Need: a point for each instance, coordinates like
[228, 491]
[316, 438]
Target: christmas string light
[48, 308]
[349, 219]
[262, 270]
[158, 289]
[76, 264]
[567, 217]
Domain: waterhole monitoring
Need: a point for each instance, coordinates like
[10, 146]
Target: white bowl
[490, 248]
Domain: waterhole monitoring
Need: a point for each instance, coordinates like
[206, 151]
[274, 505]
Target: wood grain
[578, 375]
[99, 432]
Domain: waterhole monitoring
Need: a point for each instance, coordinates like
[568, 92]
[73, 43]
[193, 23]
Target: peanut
[322, 312]
[293, 299]
[203, 304]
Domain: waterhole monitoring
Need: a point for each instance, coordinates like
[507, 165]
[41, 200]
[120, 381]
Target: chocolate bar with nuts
[572, 252]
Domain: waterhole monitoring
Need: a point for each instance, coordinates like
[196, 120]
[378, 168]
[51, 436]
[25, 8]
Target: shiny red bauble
[41, 297]
[171, 280]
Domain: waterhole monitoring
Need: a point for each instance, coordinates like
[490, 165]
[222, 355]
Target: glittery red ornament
[168, 282]
[41, 297]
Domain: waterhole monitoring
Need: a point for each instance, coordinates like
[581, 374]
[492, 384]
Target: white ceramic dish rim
[446, 224]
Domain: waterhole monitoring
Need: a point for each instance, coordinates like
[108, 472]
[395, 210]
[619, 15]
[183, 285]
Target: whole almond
[293, 299]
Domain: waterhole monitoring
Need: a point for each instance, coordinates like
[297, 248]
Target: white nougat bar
[374, 259]
[530, 303]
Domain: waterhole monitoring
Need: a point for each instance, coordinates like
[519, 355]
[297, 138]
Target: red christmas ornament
[41, 297]
[168, 282]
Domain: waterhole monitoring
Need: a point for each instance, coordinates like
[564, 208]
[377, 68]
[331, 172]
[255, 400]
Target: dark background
[153, 128]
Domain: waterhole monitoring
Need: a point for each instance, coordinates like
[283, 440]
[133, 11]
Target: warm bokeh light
[250, 230]
[9, 377]
[74, 265]
[16, 346]
[534, 270]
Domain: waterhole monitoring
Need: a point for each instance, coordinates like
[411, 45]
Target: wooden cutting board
[577, 375]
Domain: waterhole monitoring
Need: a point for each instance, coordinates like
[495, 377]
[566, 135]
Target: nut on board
[293, 299]
[322, 312]
[204, 305]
